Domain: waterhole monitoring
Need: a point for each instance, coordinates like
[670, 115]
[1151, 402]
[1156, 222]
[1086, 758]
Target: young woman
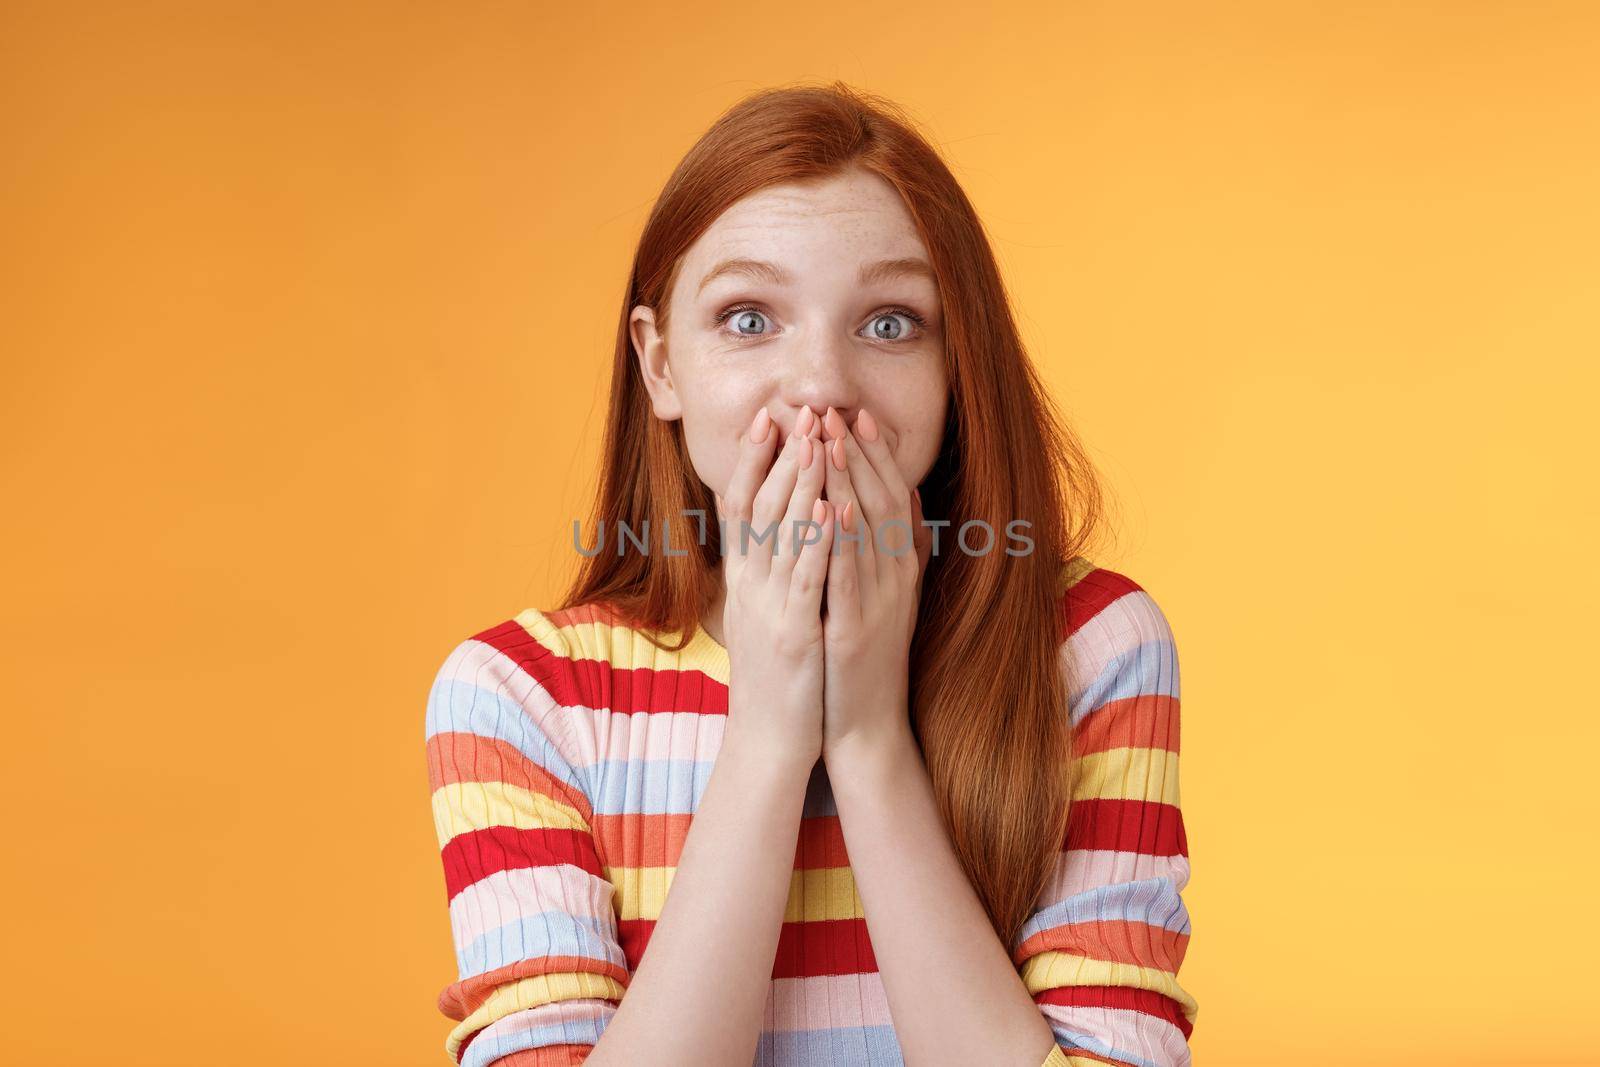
[916, 801]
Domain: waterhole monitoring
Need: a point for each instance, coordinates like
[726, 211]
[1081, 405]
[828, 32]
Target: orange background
[307, 318]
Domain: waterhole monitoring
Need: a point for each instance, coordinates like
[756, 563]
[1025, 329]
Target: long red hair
[988, 700]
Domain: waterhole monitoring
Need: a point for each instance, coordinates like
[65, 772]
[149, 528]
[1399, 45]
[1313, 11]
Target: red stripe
[571, 680]
[1131, 941]
[553, 673]
[1085, 598]
[640, 688]
[1127, 826]
[548, 1056]
[657, 840]
[1148, 720]
[805, 949]
[648, 689]
[463, 998]
[473, 856]
[455, 757]
[1147, 1001]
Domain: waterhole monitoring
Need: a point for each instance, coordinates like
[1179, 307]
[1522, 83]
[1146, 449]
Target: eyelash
[894, 309]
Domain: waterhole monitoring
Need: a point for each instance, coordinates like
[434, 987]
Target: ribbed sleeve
[1101, 954]
[540, 970]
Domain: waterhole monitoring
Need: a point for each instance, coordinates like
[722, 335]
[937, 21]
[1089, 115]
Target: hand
[772, 613]
[874, 585]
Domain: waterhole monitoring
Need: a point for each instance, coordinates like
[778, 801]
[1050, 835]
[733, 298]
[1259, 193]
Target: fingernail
[838, 453]
[819, 511]
[834, 423]
[760, 427]
[802, 425]
[867, 426]
[848, 514]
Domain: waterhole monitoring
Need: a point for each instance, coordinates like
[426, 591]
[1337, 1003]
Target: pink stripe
[506, 896]
[1081, 869]
[657, 735]
[1108, 635]
[846, 1000]
[562, 1011]
[1146, 1036]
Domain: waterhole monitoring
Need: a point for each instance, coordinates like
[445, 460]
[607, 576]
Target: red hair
[988, 700]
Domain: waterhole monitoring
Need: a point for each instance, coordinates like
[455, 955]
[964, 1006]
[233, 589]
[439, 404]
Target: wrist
[773, 756]
[872, 752]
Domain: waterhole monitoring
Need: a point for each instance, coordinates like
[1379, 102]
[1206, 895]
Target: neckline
[707, 653]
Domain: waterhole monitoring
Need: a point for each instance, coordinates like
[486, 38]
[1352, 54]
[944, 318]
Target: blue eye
[745, 313]
[751, 316]
[889, 316]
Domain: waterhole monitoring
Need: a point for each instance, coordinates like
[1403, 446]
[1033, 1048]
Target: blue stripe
[843, 1046]
[485, 1049]
[1153, 901]
[675, 786]
[1072, 1039]
[1148, 669]
[547, 933]
[462, 706]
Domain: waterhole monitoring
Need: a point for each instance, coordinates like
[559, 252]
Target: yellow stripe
[460, 807]
[625, 647]
[814, 895]
[640, 890]
[1059, 1058]
[1128, 774]
[532, 992]
[1058, 970]
[1072, 572]
[821, 895]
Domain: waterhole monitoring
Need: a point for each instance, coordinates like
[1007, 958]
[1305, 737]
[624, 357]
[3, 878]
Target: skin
[819, 350]
[821, 402]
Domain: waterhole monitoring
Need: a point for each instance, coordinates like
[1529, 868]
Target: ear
[650, 348]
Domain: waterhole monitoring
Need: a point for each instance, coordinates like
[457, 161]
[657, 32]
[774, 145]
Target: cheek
[712, 428]
[918, 416]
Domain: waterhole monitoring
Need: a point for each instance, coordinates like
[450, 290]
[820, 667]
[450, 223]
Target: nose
[819, 379]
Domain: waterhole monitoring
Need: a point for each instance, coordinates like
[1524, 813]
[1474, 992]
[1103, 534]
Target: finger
[886, 522]
[756, 446]
[807, 491]
[853, 539]
[810, 575]
[869, 437]
[731, 560]
[749, 468]
[844, 578]
[758, 539]
[840, 489]
[881, 488]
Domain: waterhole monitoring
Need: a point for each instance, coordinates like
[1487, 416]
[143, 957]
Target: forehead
[854, 213]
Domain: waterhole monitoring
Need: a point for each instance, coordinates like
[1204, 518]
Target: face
[825, 322]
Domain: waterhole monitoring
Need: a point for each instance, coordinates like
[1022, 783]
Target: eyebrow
[760, 270]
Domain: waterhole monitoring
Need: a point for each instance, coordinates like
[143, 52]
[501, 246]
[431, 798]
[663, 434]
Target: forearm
[954, 994]
[699, 992]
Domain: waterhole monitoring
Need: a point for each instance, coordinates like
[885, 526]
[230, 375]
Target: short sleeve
[539, 968]
[1101, 953]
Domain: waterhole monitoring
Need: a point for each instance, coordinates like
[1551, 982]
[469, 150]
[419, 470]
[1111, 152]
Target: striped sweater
[567, 755]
